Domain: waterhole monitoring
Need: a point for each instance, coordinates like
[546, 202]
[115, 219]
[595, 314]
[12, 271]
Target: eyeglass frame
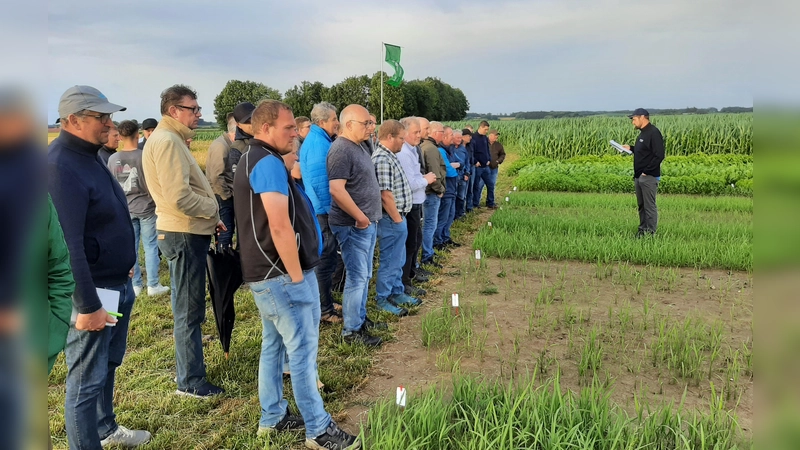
[99, 117]
[194, 109]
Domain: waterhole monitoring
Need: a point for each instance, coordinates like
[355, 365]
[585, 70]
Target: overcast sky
[506, 56]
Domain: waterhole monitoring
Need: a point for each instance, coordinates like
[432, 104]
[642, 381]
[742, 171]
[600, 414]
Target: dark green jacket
[60, 287]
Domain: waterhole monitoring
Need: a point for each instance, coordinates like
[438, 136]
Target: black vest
[260, 259]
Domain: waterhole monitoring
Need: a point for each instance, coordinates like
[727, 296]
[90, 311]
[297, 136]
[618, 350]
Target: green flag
[393, 58]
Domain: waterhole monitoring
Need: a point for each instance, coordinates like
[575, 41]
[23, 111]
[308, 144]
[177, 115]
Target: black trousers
[413, 242]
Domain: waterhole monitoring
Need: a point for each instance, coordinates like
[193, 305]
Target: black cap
[243, 112]
[466, 132]
[149, 123]
[639, 112]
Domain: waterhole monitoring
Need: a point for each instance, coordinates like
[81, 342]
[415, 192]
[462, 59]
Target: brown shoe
[337, 307]
[331, 317]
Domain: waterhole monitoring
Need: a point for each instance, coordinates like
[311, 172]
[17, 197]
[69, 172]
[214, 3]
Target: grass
[693, 231]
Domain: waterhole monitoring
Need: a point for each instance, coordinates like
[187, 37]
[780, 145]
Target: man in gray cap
[94, 215]
[648, 152]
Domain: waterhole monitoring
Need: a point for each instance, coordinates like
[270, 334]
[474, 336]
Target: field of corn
[683, 135]
[696, 174]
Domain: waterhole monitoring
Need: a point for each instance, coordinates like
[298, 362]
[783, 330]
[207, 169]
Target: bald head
[424, 128]
[355, 123]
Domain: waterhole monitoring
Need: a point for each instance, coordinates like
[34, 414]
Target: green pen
[114, 314]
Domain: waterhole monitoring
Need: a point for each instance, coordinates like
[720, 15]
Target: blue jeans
[145, 228]
[447, 211]
[92, 361]
[392, 240]
[289, 326]
[186, 254]
[358, 248]
[470, 187]
[225, 238]
[430, 211]
[483, 176]
[461, 197]
[327, 265]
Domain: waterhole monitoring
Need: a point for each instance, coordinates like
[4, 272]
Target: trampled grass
[692, 231]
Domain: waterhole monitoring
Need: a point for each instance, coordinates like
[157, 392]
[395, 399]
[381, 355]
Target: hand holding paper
[620, 147]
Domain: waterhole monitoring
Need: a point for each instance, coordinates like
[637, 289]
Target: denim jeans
[447, 210]
[92, 361]
[186, 254]
[144, 229]
[483, 176]
[392, 240]
[430, 211]
[470, 187]
[225, 238]
[461, 197]
[490, 186]
[413, 241]
[289, 326]
[358, 248]
[327, 265]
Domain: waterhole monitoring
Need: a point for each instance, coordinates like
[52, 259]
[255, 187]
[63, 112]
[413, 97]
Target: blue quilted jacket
[313, 166]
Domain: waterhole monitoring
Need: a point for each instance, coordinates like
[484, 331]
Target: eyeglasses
[103, 118]
[195, 110]
[366, 124]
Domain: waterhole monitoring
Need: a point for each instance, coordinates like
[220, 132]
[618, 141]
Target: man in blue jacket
[313, 163]
[483, 173]
[94, 215]
[462, 157]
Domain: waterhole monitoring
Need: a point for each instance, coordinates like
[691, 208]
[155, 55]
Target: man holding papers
[648, 152]
[94, 215]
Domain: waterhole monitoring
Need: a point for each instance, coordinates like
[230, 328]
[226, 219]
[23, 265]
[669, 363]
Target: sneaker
[157, 290]
[362, 337]
[388, 305]
[370, 325]
[420, 278]
[441, 246]
[137, 290]
[420, 271]
[290, 422]
[334, 438]
[126, 438]
[415, 291]
[431, 263]
[204, 391]
[405, 299]
[452, 243]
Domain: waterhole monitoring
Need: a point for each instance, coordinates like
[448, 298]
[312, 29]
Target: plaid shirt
[391, 177]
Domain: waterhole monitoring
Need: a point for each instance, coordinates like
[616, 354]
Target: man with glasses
[355, 211]
[313, 163]
[433, 162]
[94, 215]
[187, 217]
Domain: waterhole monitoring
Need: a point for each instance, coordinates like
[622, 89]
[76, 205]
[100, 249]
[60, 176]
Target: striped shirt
[391, 177]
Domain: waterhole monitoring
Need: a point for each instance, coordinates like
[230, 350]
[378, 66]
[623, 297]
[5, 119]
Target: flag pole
[382, 47]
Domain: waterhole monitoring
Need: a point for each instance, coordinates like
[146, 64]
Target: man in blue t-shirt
[280, 246]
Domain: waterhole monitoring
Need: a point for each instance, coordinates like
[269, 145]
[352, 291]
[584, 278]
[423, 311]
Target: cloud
[505, 56]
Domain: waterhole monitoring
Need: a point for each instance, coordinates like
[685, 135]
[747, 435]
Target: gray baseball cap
[79, 98]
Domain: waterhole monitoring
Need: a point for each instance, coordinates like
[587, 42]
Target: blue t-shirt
[269, 175]
[451, 172]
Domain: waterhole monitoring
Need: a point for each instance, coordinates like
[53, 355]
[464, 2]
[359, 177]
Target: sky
[505, 56]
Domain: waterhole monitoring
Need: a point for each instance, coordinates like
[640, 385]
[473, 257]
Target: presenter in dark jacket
[648, 152]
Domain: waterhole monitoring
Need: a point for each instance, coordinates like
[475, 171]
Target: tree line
[561, 114]
[431, 98]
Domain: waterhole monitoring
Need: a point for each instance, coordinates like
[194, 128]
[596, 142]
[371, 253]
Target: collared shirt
[392, 177]
[409, 161]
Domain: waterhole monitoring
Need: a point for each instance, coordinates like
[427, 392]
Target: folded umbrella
[224, 271]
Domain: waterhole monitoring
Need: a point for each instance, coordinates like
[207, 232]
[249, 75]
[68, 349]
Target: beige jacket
[184, 200]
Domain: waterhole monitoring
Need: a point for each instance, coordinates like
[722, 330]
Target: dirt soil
[616, 300]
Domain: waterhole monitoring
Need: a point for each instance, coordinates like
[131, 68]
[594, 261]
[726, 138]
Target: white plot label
[455, 300]
[490, 224]
[515, 188]
[506, 199]
[477, 254]
[401, 396]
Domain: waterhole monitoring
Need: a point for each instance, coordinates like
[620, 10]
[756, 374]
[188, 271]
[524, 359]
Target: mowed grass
[696, 232]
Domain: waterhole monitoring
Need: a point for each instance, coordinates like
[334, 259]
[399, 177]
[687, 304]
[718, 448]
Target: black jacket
[648, 152]
[260, 258]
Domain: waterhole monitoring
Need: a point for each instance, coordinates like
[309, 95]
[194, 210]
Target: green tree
[419, 99]
[235, 92]
[303, 97]
[349, 91]
[392, 98]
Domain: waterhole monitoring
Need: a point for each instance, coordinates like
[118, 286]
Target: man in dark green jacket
[60, 287]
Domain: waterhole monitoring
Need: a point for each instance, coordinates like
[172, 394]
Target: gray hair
[436, 126]
[407, 121]
[322, 112]
[231, 124]
[457, 133]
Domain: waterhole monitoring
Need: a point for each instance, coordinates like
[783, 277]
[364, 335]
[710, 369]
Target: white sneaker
[137, 290]
[157, 290]
[127, 438]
